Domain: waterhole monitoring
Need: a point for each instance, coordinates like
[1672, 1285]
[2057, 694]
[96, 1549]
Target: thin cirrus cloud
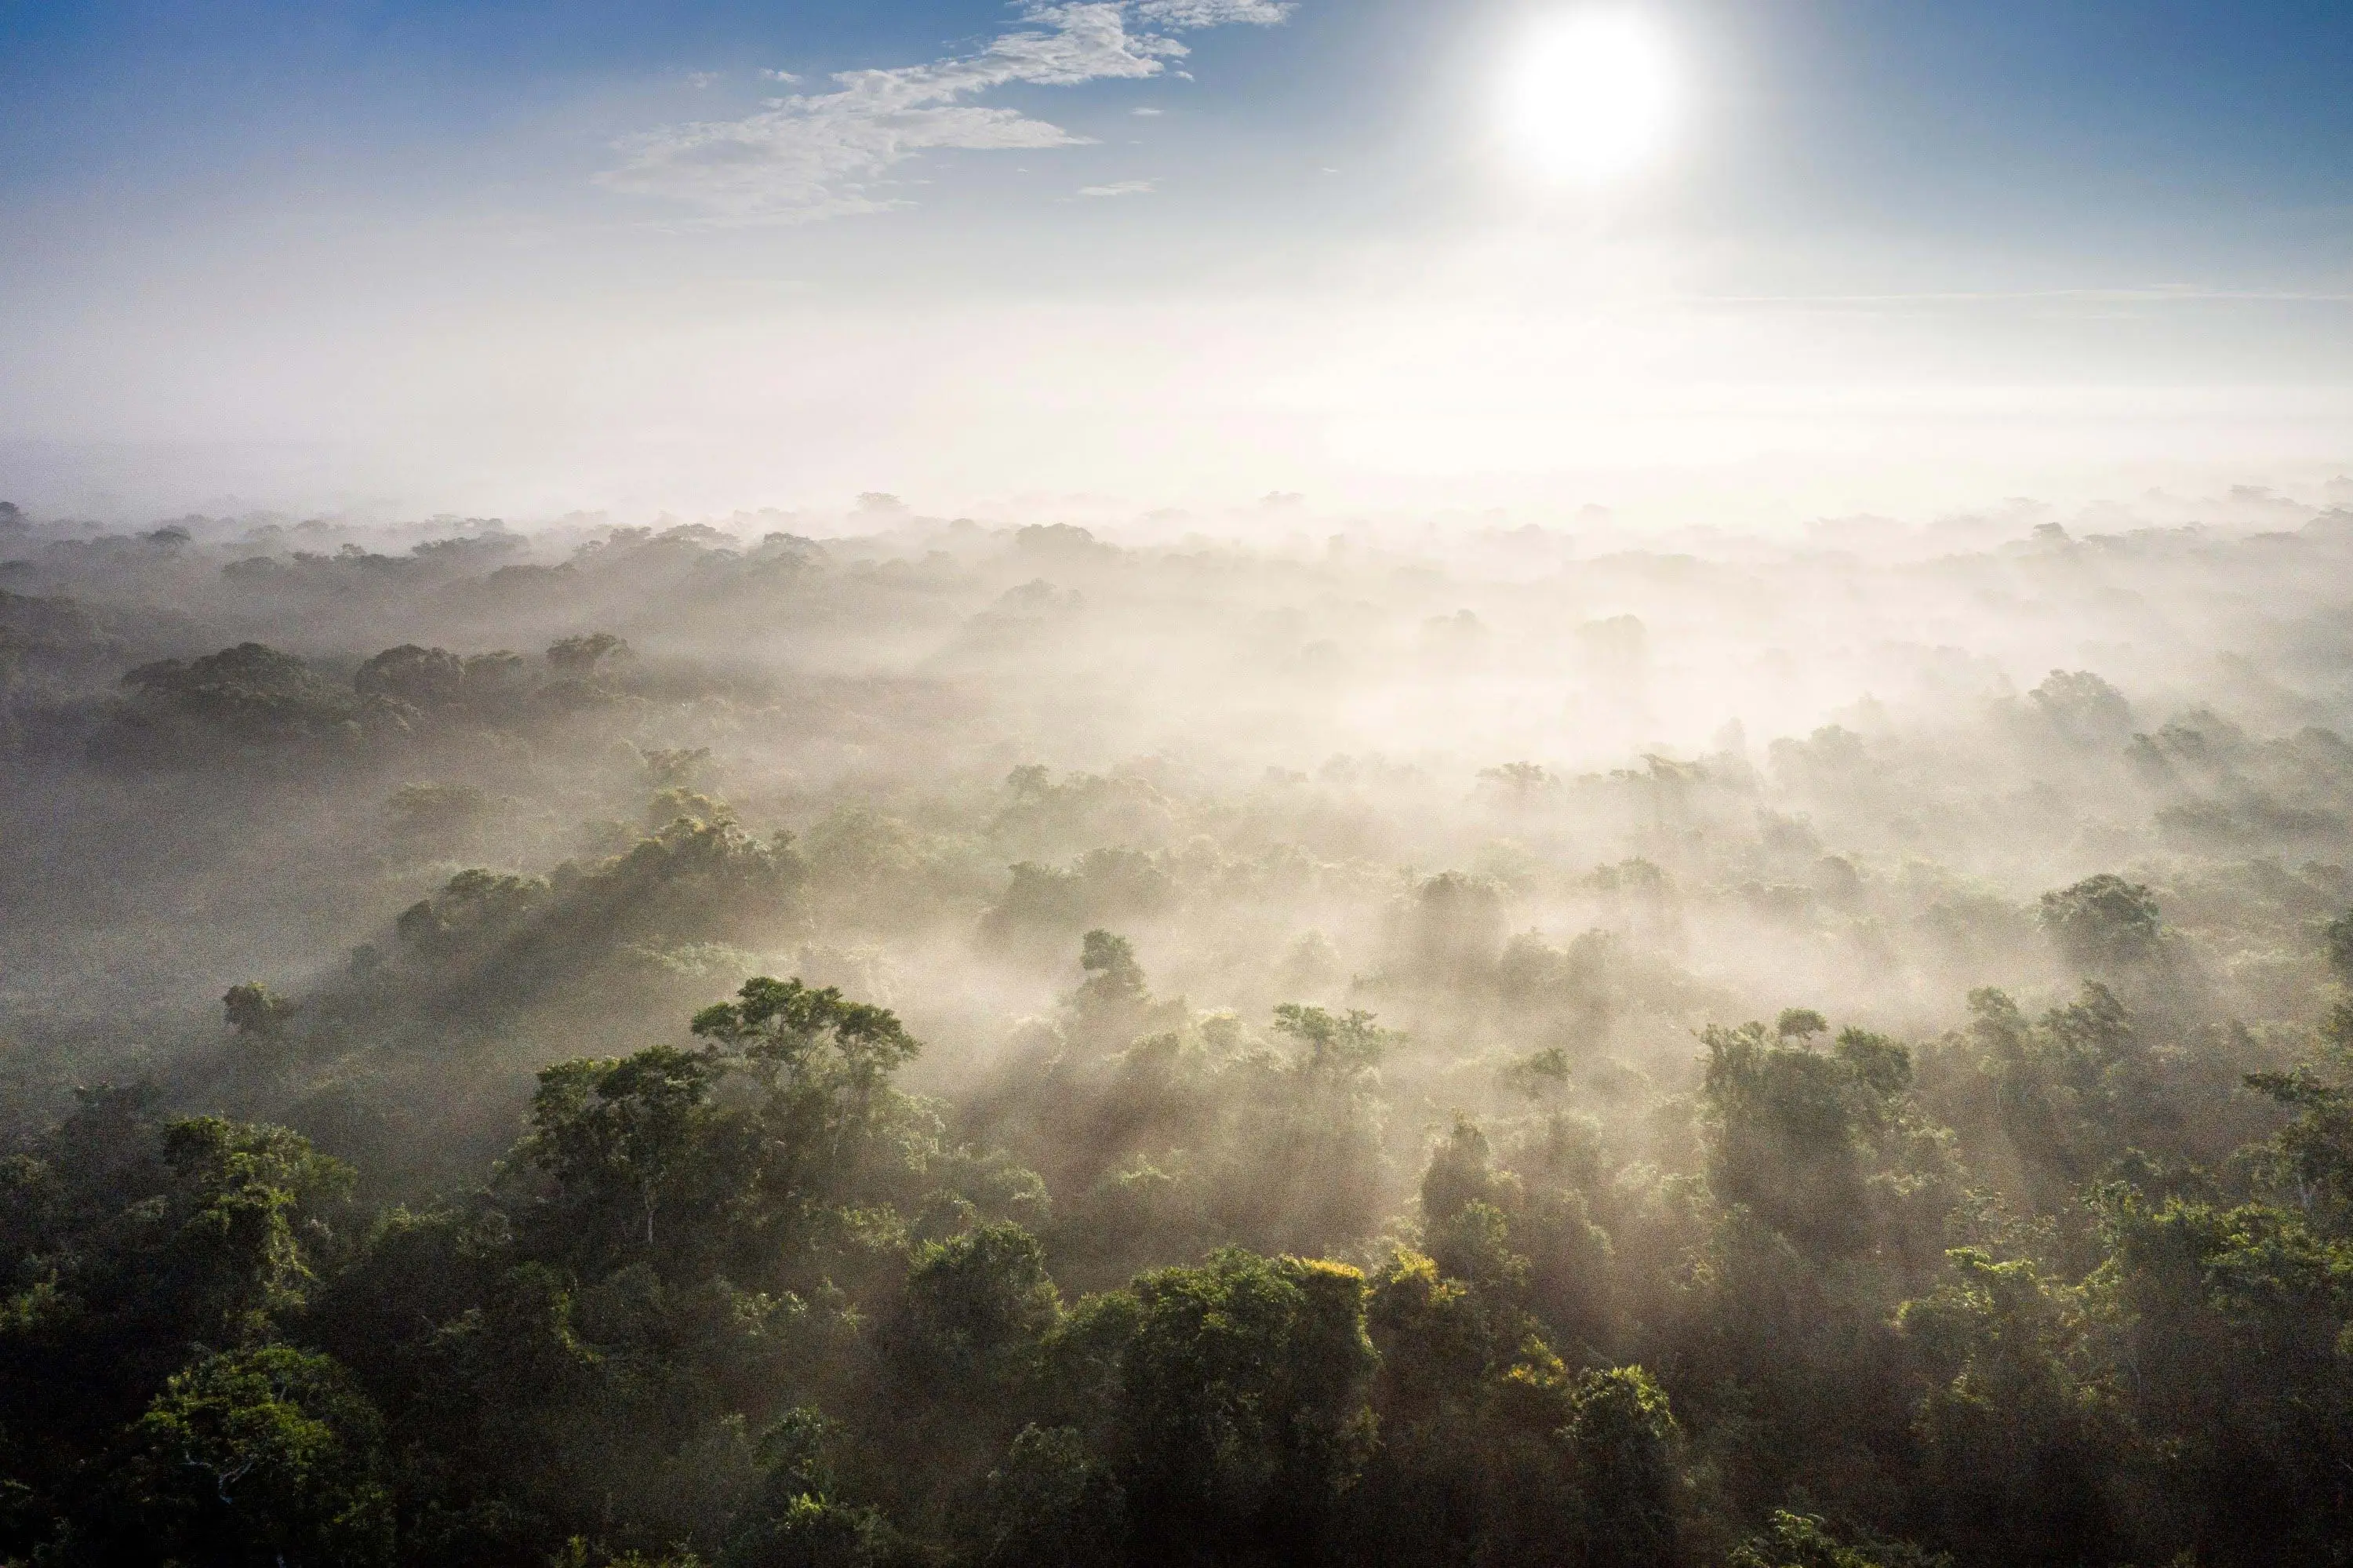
[830, 155]
[1214, 13]
[1121, 189]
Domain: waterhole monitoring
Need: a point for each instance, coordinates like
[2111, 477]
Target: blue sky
[602, 253]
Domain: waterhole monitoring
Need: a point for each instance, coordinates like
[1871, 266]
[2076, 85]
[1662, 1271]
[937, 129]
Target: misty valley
[874, 1039]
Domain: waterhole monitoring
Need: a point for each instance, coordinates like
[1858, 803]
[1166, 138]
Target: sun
[1589, 96]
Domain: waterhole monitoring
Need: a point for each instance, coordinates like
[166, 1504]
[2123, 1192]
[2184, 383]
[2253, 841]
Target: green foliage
[1049, 1503]
[2067, 1285]
[421, 677]
[1806, 1541]
[580, 655]
[2016, 1422]
[260, 1456]
[1524, 1242]
[811, 1037]
[2310, 1162]
[1792, 1131]
[255, 1011]
[651, 1281]
[1539, 1073]
[1880, 1065]
[2236, 1324]
[473, 910]
[2336, 939]
[1239, 1411]
[625, 1143]
[976, 1311]
[1112, 1002]
[1461, 1173]
[126, 1245]
[794, 1521]
[2074, 1090]
[1448, 930]
[1800, 1024]
[1626, 1467]
[1110, 962]
[193, 1231]
[237, 1192]
[1494, 1449]
[435, 684]
[491, 942]
[619, 1137]
[2084, 709]
[1434, 1340]
[678, 804]
[250, 700]
[1336, 1046]
[2103, 925]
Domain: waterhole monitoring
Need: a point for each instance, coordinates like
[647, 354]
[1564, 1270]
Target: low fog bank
[1508, 786]
[888, 1039]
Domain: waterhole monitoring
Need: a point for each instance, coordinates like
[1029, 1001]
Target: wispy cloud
[1121, 189]
[1215, 12]
[818, 156]
[1145, 113]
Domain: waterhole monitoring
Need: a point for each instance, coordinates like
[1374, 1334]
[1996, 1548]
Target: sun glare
[1589, 96]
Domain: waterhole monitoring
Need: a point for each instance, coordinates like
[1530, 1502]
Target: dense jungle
[888, 1040]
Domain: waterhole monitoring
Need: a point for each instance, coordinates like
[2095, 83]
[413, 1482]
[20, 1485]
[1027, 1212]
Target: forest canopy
[739, 1044]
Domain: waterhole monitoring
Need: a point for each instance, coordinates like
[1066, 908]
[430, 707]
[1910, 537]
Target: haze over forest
[1176, 784]
[1800, 999]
